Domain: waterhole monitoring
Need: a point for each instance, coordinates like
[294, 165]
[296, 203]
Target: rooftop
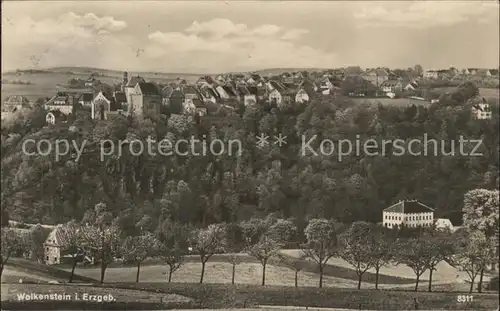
[409, 207]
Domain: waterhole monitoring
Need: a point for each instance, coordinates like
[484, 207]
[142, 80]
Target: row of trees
[363, 245]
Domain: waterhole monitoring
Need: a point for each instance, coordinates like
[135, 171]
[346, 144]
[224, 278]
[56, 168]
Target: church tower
[125, 80]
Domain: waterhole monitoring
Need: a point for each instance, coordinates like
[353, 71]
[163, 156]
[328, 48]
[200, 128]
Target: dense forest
[201, 190]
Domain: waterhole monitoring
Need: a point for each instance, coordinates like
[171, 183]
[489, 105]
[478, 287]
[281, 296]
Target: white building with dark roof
[408, 213]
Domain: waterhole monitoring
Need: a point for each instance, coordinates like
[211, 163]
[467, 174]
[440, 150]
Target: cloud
[424, 14]
[267, 30]
[219, 26]
[45, 42]
[294, 34]
[220, 44]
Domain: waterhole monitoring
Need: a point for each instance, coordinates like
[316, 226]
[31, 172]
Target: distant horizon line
[226, 72]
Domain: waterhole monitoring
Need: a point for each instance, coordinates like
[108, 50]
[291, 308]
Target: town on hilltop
[135, 96]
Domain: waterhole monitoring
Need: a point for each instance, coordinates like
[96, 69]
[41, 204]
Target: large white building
[408, 213]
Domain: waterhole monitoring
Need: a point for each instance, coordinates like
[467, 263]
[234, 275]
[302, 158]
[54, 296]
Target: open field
[444, 273]
[218, 270]
[45, 84]
[490, 93]
[400, 102]
[119, 281]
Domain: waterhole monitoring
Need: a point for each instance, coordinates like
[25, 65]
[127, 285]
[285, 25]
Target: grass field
[490, 93]
[149, 294]
[45, 84]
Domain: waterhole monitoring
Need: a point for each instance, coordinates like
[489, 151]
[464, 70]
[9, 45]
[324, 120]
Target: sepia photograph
[250, 155]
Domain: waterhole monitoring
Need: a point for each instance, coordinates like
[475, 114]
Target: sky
[222, 36]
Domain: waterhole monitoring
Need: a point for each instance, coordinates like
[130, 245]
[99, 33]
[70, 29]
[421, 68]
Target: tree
[481, 213]
[322, 242]
[4, 217]
[101, 243]
[265, 249]
[37, 237]
[173, 257]
[283, 230]
[418, 69]
[137, 248]
[296, 264]
[439, 247]
[70, 238]
[412, 252]
[12, 243]
[208, 242]
[235, 244]
[381, 250]
[174, 239]
[356, 248]
[472, 252]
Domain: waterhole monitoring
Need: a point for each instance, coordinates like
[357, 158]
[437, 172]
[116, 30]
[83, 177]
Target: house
[431, 74]
[325, 85]
[85, 99]
[101, 106]
[145, 98]
[287, 78]
[15, 103]
[481, 111]
[306, 91]
[55, 117]
[409, 213]
[246, 97]
[62, 102]
[352, 71]
[52, 246]
[444, 74]
[278, 93]
[56, 253]
[128, 85]
[186, 100]
[483, 73]
[208, 93]
[298, 76]
[412, 86]
[220, 79]
[472, 71]
[393, 86]
[443, 224]
[118, 106]
[376, 76]
[91, 82]
[205, 80]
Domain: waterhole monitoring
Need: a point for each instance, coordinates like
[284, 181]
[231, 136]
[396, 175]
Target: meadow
[153, 290]
[45, 83]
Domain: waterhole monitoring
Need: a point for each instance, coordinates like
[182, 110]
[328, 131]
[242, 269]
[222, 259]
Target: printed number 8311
[464, 298]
